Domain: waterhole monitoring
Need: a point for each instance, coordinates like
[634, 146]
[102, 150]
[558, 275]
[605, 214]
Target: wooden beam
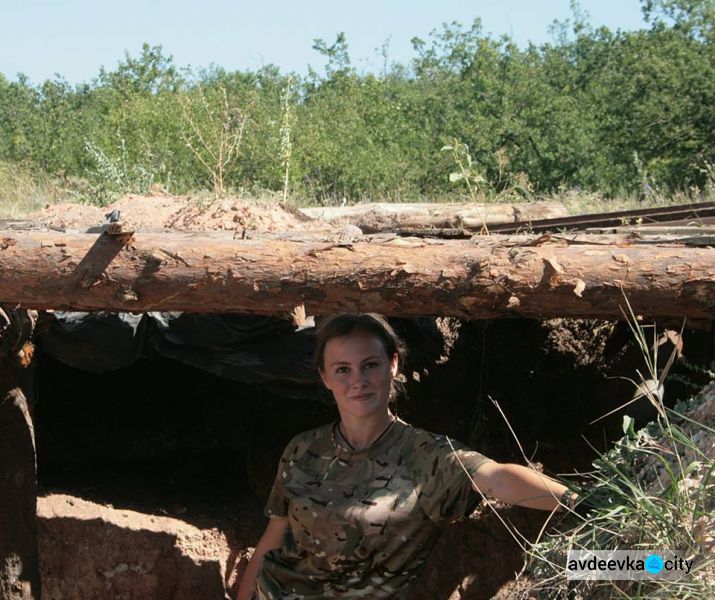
[487, 277]
[374, 217]
[19, 562]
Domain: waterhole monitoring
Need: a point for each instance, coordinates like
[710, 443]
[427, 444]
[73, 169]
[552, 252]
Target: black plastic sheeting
[262, 351]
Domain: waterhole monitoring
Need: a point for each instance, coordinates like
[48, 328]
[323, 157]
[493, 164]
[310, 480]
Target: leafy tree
[599, 109]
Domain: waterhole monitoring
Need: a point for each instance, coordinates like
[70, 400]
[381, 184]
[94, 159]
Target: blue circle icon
[654, 564]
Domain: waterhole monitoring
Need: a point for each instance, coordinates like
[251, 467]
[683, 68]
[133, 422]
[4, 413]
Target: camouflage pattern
[363, 522]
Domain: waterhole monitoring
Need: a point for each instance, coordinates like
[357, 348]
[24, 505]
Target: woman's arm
[272, 538]
[515, 484]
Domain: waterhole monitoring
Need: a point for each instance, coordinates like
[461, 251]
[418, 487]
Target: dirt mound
[477, 558]
[183, 213]
[93, 551]
[70, 216]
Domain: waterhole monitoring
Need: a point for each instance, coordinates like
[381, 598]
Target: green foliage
[693, 17]
[616, 112]
[112, 177]
[150, 73]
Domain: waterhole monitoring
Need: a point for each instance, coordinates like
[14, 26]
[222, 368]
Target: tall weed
[111, 177]
[213, 130]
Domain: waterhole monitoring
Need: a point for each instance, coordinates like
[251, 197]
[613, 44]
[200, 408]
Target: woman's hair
[372, 324]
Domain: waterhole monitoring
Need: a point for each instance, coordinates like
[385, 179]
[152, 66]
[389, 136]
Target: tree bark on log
[487, 277]
[19, 562]
[375, 217]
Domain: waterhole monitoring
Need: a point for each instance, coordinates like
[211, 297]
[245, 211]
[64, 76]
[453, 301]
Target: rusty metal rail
[681, 214]
[702, 213]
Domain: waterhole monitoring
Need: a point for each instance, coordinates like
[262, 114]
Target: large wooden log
[19, 563]
[376, 217]
[488, 277]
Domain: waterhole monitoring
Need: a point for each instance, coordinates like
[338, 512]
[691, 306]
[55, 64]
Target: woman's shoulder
[424, 451]
[421, 446]
[421, 440]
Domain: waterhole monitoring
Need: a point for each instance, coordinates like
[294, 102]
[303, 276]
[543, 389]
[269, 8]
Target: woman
[357, 505]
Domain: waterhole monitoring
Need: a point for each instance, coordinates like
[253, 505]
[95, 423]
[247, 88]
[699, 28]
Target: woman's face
[358, 371]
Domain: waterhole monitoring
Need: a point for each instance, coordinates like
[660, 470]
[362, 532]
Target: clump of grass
[582, 202]
[23, 192]
[578, 201]
[653, 490]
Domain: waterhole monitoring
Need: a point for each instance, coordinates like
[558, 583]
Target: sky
[73, 38]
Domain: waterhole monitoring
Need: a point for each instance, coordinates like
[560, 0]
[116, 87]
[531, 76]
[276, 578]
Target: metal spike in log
[486, 277]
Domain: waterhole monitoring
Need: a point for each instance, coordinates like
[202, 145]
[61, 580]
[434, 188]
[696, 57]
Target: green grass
[655, 489]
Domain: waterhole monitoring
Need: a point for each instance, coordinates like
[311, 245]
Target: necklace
[384, 431]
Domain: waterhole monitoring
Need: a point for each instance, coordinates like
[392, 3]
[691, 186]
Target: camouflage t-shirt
[363, 522]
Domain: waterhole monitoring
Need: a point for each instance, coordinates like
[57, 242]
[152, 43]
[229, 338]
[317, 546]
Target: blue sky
[75, 37]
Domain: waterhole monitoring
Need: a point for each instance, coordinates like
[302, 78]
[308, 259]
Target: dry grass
[22, 192]
[579, 202]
